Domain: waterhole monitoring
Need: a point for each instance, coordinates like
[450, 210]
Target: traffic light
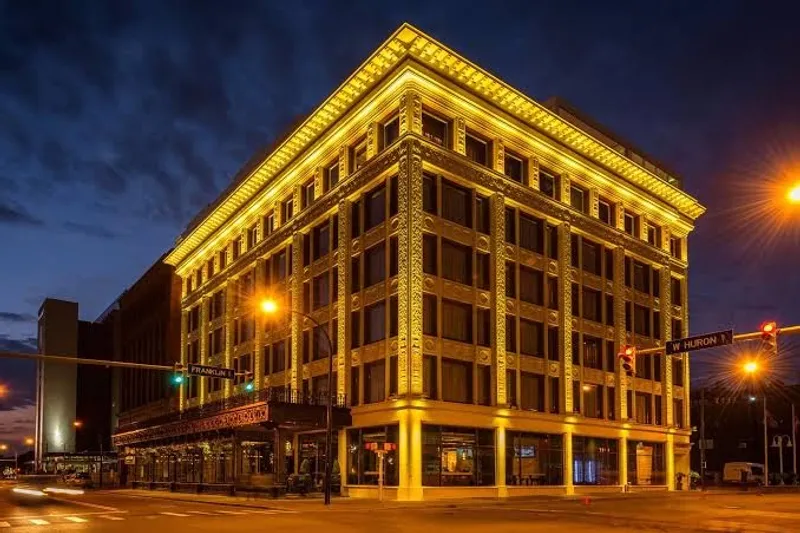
[769, 336]
[627, 358]
[178, 377]
[249, 384]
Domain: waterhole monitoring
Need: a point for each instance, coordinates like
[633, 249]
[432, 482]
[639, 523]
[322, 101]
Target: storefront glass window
[534, 459]
[594, 461]
[646, 464]
[453, 456]
[362, 464]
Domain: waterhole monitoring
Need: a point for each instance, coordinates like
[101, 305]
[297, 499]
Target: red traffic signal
[627, 358]
[769, 332]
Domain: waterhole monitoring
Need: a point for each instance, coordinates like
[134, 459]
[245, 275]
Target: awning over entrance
[267, 407]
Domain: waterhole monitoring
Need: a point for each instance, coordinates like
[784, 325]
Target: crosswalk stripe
[108, 517]
[76, 519]
[231, 512]
[39, 522]
[5, 524]
[175, 514]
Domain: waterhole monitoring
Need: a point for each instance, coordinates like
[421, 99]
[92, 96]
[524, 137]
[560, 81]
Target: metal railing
[242, 399]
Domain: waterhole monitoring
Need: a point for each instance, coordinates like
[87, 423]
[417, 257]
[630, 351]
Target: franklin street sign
[211, 371]
[700, 342]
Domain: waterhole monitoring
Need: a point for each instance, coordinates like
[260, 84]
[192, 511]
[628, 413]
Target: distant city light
[752, 399]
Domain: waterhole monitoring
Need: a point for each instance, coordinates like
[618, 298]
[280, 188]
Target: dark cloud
[6, 316]
[90, 230]
[11, 344]
[17, 215]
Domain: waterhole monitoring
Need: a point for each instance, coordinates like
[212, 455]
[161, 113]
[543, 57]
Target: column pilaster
[569, 479]
[594, 203]
[499, 156]
[410, 113]
[666, 360]
[343, 367]
[533, 173]
[410, 277]
[460, 135]
[204, 348]
[297, 308]
[565, 317]
[500, 461]
[373, 139]
[622, 461]
[669, 456]
[230, 294]
[619, 330]
[344, 163]
[319, 182]
[498, 295]
[184, 337]
[259, 322]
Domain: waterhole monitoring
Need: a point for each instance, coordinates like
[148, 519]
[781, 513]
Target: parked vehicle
[743, 473]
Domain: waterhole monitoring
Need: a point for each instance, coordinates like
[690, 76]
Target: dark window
[531, 233]
[657, 325]
[514, 167]
[631, 224]
[308, 194]
[456, 262]
[592, 304]
[393, 257]
[592, 400]
[456, 204]
[482, 219]
[456, 381]
[609, 310]
[375, 208]
[393, 375]
[531, 335]
[306, 297]
[611, 357]
[359, 155]
[605, 212]
[375, 265]
[321, 290]
[578, 198]
[429, 194]
[456, 321]
[592, 256]
[375, 381]
[548, 183]
[534, 459]
[429, 377]
[332, 176]
[393, 198]
[434, 129]
[237, 248]
[482, 270]
[555, 395]
[322, 241]
[429, 315]
[287, 210]
[575, 253]
[592, 352]
[511, 280]
[484, 385]
[677, 371]
[429, 255]
[393, 312]
[675, 248]
[532, 391]
[609, 255]
[355, 274]
[511, 333]
[355, 223]
[223, 259]
[675, 291]
[654, 235]
[477, 149]
[375, 322]
[595, 461]
[354, 386]
[391, 131]
[677, 328]
[656, 282]
[511, 227]
[511, 388]
[576, 300]
[641, 320]
[355, 329]
[530, 285]
[552, 293]
[656, 367]
[484, 327]
[576, 348]
[641, 277]
[552, 242]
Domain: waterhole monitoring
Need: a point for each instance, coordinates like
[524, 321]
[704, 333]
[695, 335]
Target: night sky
[119, 122]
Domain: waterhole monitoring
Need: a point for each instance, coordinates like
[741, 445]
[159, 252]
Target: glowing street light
[750, 367]
[29, 441]
[3, 390]
[3, 447]
[793, 195]
[270, 307]
[77, 424]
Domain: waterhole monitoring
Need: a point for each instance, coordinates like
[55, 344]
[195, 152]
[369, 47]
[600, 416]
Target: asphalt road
[113, 512]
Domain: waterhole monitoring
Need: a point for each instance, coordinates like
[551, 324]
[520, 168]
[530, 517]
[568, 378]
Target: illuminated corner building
[478, 259]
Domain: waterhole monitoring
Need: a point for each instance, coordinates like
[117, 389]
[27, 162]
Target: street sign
[211, 371]
[700, 342]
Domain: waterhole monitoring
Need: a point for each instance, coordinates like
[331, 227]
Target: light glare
[269, 306]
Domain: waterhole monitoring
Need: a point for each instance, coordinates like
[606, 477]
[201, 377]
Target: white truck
[743, 473]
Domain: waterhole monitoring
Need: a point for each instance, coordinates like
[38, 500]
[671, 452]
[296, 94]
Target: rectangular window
[592, 352]
[592, 400]
[552, 292]
[456, 381]
[484, 385]
[611, 402]
[482, 221]
[592, 304]
[511, 280]
[514, 167]
[555, 396]
[609, 255]
[434, 129]
[375, 322]
[654, 235]
[656, 282]
[484, 327]
[548, 183]
[321, 290]
[677, 371]
[393, 376]
[644, 408]
[511, 333]
[393, 198]
[375, 381]
[375, 265]
[531, 233]
[355, 219]
[592, 256]
[552, 242]
[534, 459]
[332, 176]
[429, 315]
[322, 242]
[552, 344]
[641, 320]
[391, 131]
[641, 277]
[393, 266]
[595, 461]
[578, 198]
[531, 336]
[511, 388]
[677, 328]
[532, 391]
[429, 377]
[429, 194]
[456, 204]
[355, 274]
[429, 255]
[359, 155]
[236, 249]
[631, 224]
[354, 386]
[375, 207]
[223, 259]
[210, 267]
[576, 348]
[609, 310]
[482, 270]
[355, 329]
[252, 236]
[657, 367]
[456, 321]
[393, 316]
[611, 357]
[308, 194]
[576, 300]
[675, 291]
[575, 252]
[530, 285]
[287, 210]
[605, 212]
[657, 325]
[675, 248]
[511, 226]
[476, 149]
[677, 413]
[456, 262]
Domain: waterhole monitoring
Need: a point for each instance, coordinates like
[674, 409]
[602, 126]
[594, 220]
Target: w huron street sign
[700, 342]
[211, 371]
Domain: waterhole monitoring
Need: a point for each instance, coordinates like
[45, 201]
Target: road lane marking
[76, 519]
[174, 514]
[39, 522]
[110, 517]
[5, 524]
[231, 512]
[200, 512]
[86, 504]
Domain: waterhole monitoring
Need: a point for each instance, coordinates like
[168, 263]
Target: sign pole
[380, 453]
[766, 446]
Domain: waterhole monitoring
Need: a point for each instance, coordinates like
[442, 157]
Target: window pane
[375, 265]
[375, 208]
[434, 129]
[456, 204]
[429, 255]
[456, 321]
[456, 381]
[375, 381]
[375, 322]
[429, 194]
[456, 262]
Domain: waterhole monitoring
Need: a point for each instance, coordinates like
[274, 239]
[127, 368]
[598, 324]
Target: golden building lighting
[478, 259]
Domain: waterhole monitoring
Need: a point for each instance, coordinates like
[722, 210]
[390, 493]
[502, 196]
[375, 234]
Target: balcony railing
[268, 395]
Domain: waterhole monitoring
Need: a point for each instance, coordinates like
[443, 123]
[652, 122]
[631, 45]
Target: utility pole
[794, 444]
[766, 446]
[703, 438]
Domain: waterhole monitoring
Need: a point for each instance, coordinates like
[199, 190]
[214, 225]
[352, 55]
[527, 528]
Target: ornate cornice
[408, 42]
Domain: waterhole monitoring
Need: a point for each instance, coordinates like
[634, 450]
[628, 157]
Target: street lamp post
[270, 307]
[777, 442]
